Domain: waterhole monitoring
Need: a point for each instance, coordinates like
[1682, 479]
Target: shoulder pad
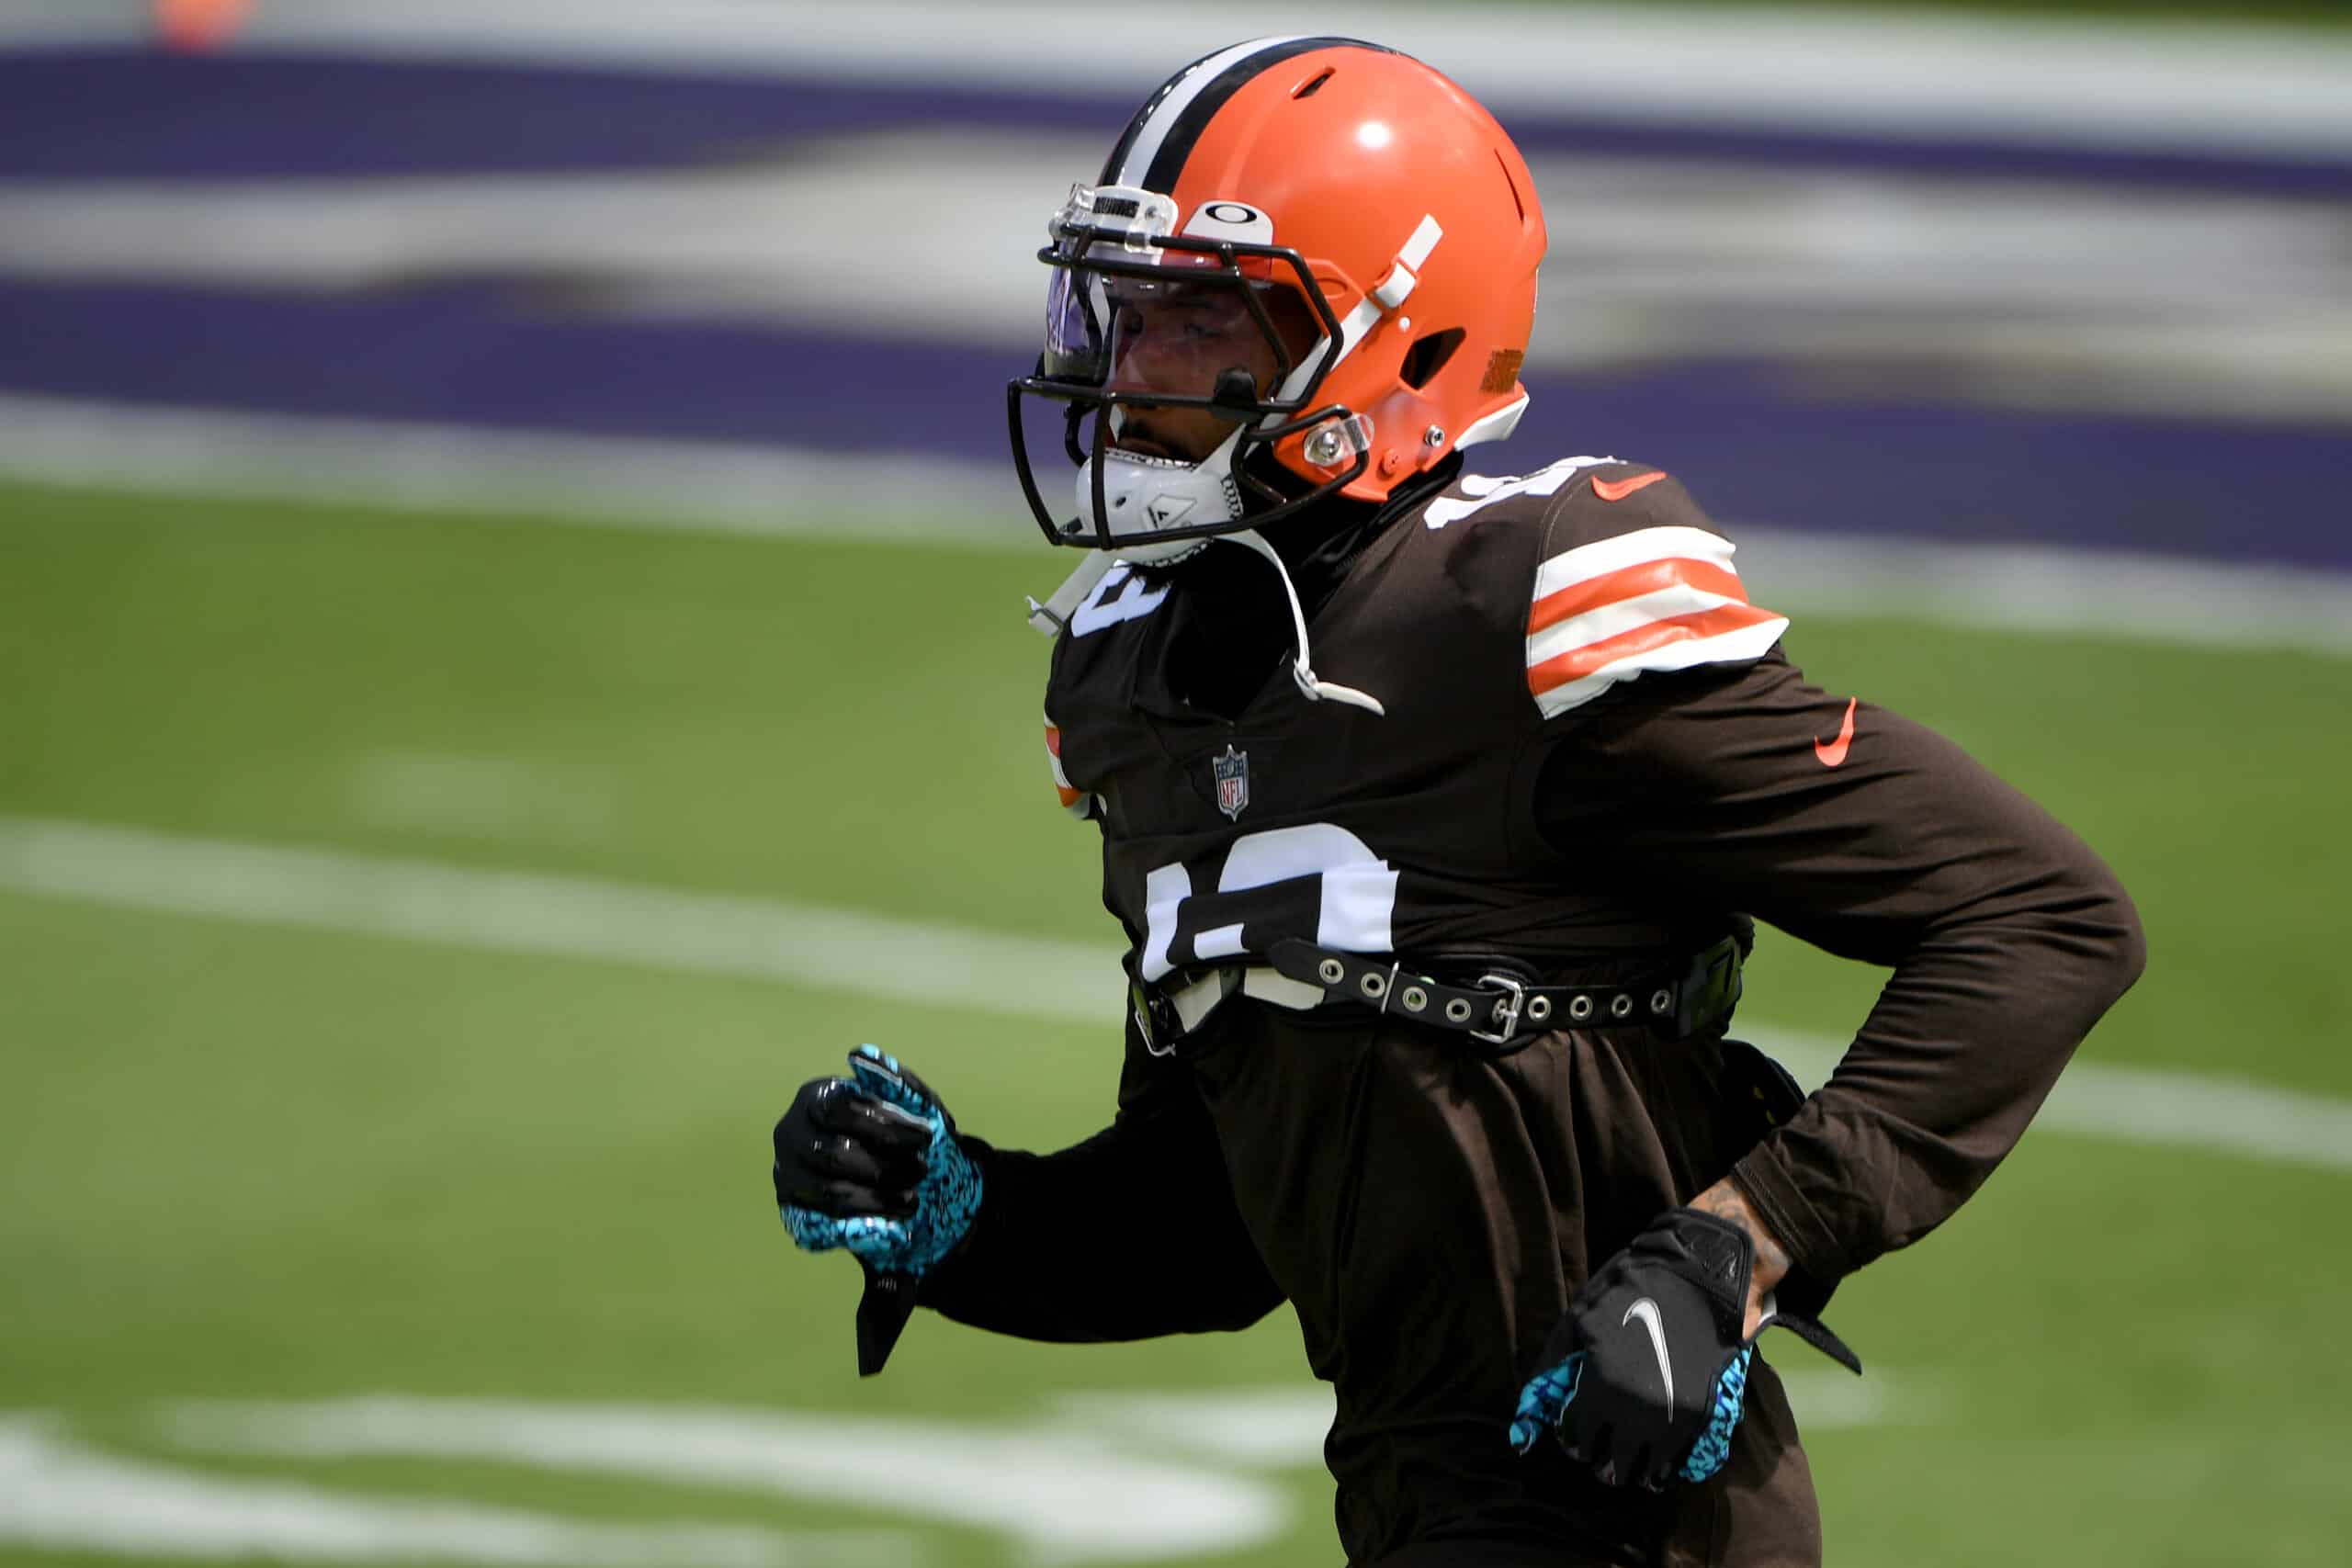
[1633, 579]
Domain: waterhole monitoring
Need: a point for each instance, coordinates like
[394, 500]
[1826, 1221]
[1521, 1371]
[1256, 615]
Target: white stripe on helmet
[1154, 131]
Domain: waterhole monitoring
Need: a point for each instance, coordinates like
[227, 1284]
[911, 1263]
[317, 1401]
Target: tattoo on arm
[1726, 1202]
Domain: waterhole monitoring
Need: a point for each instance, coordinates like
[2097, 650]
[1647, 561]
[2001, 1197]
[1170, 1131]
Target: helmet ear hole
[1427, 356]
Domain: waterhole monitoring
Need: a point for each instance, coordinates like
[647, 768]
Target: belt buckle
[1169, 1015]
[1155, 1021]
[1514, 1003]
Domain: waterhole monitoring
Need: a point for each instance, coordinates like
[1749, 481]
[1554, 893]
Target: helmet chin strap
[1164, 492]
[1302, 670]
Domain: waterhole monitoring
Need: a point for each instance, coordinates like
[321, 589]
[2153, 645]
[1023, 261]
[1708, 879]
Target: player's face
[1178, 339]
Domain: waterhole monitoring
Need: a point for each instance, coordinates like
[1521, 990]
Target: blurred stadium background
[510, 661]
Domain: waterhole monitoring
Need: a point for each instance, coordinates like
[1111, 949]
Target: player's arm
[1685, 762]
[1129, 1234]
[1872, 837]
[1739, 787]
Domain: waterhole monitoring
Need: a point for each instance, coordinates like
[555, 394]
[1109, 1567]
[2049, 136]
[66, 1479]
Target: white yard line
[2103, 83]
[837, 950]
[1058, 1495]
[1101, 1476]
[708, 487]
[634, 483]
[58, 1494]
[1285, 1425]
[2145, 1105]
[2049, 590]
[566, 917]
[1098, 1477]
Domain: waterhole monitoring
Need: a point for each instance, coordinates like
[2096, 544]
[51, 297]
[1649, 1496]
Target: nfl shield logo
[1232, 772]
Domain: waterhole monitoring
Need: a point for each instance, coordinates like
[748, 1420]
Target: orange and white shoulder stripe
[1653, 599]
[1077, 802]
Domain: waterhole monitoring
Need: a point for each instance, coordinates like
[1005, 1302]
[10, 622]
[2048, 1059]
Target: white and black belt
[1494, 1008]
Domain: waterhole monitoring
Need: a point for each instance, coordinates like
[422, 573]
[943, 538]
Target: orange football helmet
[1386, 204]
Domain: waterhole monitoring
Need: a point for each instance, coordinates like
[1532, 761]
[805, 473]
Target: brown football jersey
[1592, 752]
[1484, 622]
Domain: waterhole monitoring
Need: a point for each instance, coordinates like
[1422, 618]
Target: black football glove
[840, 1152]
[871, 1164]
[1644, 1378]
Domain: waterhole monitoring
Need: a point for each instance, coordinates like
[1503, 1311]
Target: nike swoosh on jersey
[1618, 490]
[1654, 599]
[1647, 1310]
[1833, 752]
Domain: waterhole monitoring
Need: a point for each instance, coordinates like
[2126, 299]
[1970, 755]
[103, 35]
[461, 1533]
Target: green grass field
[249, 1162]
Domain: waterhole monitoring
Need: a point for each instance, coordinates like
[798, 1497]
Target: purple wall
[1754, 440]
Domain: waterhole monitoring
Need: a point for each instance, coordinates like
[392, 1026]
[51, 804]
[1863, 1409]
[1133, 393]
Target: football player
[1434, 807]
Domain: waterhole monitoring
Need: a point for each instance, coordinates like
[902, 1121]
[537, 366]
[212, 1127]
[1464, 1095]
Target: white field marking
[1284, 1426]
[567, 917]
[1256, 1427]
[698, 488]
[2143, 1105]
[1833, 1399]
[1059, 1487]
[845, 950]
[2118, 594]
[58, 1495]
[638, 483]
[765, 1450]
[1059, 1495]
[2102, 83]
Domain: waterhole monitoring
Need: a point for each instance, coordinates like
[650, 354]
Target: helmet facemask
[1177, 361]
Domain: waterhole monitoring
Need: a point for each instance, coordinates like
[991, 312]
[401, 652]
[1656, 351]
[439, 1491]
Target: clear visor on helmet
[1175, 331]
[1076, 341]
[1173, 350]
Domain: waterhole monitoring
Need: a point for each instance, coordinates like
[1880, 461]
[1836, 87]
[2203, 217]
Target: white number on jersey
[1478, 491]
[1120, 596]
[1316, 869]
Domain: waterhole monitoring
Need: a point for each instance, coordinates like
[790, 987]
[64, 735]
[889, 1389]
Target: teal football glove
[870, 1165]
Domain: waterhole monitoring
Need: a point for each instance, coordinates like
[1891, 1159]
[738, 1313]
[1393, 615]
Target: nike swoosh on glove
[870, 1163]
[1644, 1378]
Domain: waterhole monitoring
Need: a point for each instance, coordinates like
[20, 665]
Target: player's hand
[870, 1163]
[1644, 1378]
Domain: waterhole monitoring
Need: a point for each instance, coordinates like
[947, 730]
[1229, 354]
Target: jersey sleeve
[1632, 581]
[1130, 1234]
[1748, 789]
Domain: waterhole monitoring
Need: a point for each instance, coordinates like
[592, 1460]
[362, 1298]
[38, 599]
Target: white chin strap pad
[1144, 494]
